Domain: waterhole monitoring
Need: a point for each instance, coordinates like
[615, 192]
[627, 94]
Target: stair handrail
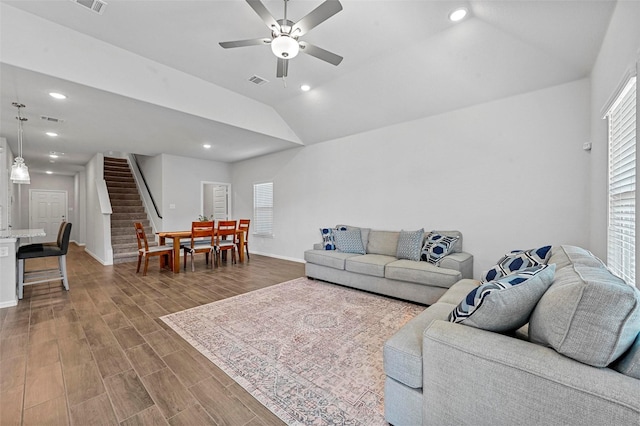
[153, 201]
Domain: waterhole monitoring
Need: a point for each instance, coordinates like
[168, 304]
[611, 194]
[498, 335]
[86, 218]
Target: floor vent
[96, 6]
[258, 80]
[51, 119]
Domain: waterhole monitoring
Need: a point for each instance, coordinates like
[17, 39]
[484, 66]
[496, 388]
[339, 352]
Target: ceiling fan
[285, 34]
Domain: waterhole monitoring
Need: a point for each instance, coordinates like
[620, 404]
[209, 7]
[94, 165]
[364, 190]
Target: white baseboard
[275, 256]
[102, 262]
[9, 303]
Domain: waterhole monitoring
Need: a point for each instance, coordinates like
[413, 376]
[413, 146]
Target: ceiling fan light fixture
[285, 47]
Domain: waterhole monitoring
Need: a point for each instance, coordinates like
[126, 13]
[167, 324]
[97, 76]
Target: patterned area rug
[311, 352]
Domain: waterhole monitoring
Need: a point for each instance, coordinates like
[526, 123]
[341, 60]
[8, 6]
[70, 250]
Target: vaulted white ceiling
[149, 77]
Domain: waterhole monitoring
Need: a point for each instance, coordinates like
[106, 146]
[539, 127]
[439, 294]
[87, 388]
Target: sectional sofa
[379, 264]
[576, 361]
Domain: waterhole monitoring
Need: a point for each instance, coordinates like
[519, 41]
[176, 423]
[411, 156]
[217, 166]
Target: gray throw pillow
[410, 244]
[506, 303]
[349, 241]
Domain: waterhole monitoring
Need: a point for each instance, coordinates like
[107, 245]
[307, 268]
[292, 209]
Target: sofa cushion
[349, 241]
[329, 258]
[409, 244]
[629, 363]
[402, 352]
[368, 264]
[383, 242]
[518, 260]
[587, 314]
[506, 303]
[421, 273]
[437, 246]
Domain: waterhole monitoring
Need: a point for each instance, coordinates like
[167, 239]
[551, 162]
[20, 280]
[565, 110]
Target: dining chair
[145, 251]
[244, 225]
[199, 230]
[39, 246]
[31, 251]
[226, 228]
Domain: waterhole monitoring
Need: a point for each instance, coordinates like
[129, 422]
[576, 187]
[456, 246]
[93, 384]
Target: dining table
[176, 236]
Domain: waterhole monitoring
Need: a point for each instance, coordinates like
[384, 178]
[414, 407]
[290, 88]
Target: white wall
[181, 187]
[618, 55]
[509, 174]
[98, 240]
[151, 169]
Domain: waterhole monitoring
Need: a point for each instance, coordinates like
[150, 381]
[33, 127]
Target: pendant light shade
[19, 170]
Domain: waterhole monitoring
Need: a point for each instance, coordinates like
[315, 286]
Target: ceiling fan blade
[317, 16]
[243, 43]
[266, 16]
[283, 68]
[320, 53]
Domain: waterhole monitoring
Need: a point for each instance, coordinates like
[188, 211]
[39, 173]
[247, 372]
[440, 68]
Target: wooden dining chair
[201, 234]
[244, 225]
[221, 240]
[145, 251]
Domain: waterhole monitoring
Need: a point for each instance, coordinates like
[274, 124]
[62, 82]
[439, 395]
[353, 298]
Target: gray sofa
[444, 373]
[380, 271]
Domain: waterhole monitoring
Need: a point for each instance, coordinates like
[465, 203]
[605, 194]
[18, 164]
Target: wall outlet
[172, 206]
[4, 251]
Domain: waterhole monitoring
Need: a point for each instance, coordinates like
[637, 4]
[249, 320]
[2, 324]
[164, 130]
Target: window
[263, 209]
[621, 243]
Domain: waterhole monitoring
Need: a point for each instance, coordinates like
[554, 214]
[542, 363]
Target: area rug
[309, 351]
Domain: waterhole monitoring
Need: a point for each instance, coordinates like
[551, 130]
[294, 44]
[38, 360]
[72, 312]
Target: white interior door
[221, 202]
[216, 200]
[47, 209]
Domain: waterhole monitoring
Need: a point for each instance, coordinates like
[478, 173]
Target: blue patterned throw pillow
[506, 303]
[437, 246]
[349, 241]
[409, 244]
[328, 241]
[516, 261]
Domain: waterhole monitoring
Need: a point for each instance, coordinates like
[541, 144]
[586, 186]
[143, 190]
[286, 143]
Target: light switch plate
[4, 251]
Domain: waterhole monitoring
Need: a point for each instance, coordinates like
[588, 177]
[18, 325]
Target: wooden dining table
[176, 236]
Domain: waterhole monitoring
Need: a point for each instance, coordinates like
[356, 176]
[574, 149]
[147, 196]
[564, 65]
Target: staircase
[127, 208]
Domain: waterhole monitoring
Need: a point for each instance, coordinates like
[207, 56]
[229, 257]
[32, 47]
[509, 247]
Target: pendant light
[19, 170]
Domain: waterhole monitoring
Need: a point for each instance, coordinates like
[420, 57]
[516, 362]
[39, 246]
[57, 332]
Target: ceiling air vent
[95, 5]
[258, 80]
[51, 119]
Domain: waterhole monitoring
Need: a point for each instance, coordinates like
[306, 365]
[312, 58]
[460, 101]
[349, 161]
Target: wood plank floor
[99, 355]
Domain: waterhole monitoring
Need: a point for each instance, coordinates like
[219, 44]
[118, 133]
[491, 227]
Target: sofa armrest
[473, 376]
[462, 262]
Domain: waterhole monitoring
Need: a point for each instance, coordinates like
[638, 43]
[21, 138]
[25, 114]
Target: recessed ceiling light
[305, 87]
[206, 145]
[49, 172]
[57, 95]
[53, 156]
[52, 134]
[458, 14]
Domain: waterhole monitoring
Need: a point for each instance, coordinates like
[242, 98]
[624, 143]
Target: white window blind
[622, 184]
[263, 208]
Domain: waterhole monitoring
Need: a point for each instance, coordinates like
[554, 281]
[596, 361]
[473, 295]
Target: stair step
[121, 184]
[127, 238]
[131, 217]
[128, 223]
[121, 190]
[124, 202]
[125, 196]
[117, 208]
[118, 231]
